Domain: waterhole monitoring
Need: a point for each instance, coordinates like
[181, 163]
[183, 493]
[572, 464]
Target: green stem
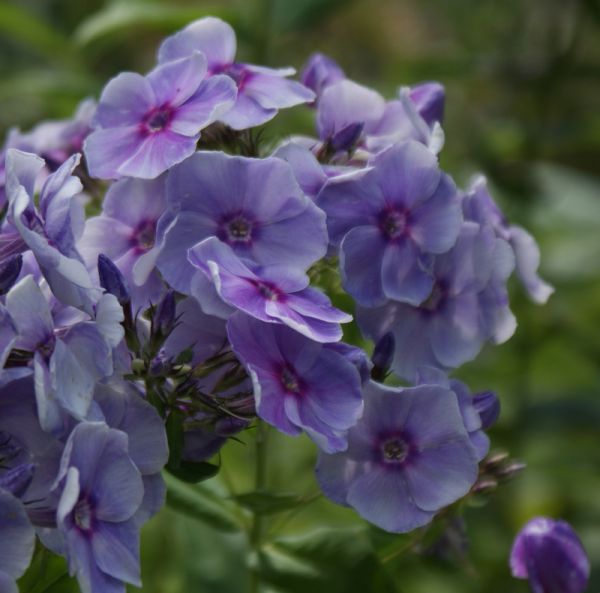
[256, 531]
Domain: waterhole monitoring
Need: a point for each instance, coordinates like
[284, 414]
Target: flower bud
[549, 554]
[164, 316]
[10, 268]
[382, 356]
[487, 405]
[347, 138]
[112, 280]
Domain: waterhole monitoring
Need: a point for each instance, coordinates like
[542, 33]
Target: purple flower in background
[549, 554]
[126, 233]
[390, 222]
[54, 141]
[408, 457]
[350, 115]
[467, 306]
[310, 174]
[299, 384]
[67, 361]
[273, 294]
[17, 541]
[479, 206]
[52, 230]
[319, 72]
[144, 125]
[254, 206]
[261, 91]
[429, 99]
[100, 492]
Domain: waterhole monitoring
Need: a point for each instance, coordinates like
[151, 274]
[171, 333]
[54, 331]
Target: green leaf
[325, 561]
[200, 503]
[268, 503]
[47, 573]
[191, 472]
[121, 18]
[28, 29]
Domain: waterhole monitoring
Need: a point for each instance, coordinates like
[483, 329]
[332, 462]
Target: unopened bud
[382, 356]
[112, 280]
[487, 405]
[164, 316]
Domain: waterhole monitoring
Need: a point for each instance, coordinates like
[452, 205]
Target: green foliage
[200, 503]
[325, 561]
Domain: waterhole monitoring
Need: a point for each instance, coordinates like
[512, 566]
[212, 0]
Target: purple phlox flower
[356, 356]
[408, 457]
[319, 72]
[275, 294]
[352, 116]
[309, 173]
[144, 125]
[261, 91]
[67, 361]
[204, 334]
[54, 141]
[100, 490]
[402, 121]
[468, 305]
[126, 233]
[479, 206]
[549, 554]
[390, 223]
[299, 384]
[123, 408]
[472, 419]
[17, 541]
[51, 231]
[253, 205]
[29, 457]
[487, 405]
[429, 100]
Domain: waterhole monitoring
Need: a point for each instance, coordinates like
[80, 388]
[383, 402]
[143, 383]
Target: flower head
[274, 294]
[261, 91]
[299, 384]
[144, 125]
[253, 206]
[408, 457]
[390, 222]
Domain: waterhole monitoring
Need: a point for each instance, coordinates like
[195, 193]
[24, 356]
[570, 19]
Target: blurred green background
[523, 91]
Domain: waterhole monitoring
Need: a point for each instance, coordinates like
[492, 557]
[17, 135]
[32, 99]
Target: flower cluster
[201, 295]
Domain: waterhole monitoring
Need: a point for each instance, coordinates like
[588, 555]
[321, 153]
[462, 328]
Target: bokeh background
[523, 92]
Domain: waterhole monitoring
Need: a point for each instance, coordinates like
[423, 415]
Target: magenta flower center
[394, 223]
[268, 291]
[239, 230]
[158, 119]
[290, 380]
[395, 450]
[145, 234]
[83, 515]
